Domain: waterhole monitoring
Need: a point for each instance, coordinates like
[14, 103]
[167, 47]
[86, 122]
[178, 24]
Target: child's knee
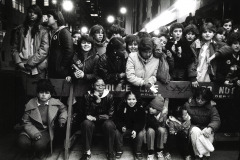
[150, 131]
[162, 130]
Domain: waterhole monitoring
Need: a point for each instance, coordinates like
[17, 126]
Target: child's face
[200, 101]
[207, 35]
[236, 46]
[163, 41]
[220, 37]
[184, 115]
[98, 36]
[190, 36]
[153, 111]
[131, 100]
[146, 54]
[99, 86]
[86, 46]
[133, 47]
[228, 26]
[177, 34]
[44, 96]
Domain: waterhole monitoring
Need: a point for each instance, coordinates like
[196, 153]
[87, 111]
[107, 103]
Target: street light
[67, 5]
[84, 30]
[123, 10]
[110, 19]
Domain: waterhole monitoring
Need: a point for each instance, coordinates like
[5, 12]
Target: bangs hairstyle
[95, 29]
[174, 26]
[129, 93]
[130, 39]
[146, 44]
[57, 15]
[206, 93]
[227, 20]
[116, 29]
[86, 38]
[208, 27]
[233, 38]
[191, 28]
[220, 30]
[178, 111]
[45, 85]
[37, 10]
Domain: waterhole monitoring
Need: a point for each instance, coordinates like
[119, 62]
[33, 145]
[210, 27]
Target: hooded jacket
[60, 53]
[32, 119]
[106, 106]
[176, 126]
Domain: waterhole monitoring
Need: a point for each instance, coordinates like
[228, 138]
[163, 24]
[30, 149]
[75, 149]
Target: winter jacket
[60, 53]
[138, 69]
[203, 116]
[196, 47]
[88, 66]
[40, 48]
[32, 119]
[133, 118]
[106, 106]
[176, 126]
[109, 68]
[101, 47]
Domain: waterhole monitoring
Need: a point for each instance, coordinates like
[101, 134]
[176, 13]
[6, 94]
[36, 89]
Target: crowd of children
[183, 53]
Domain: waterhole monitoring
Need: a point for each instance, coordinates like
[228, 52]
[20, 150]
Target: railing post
[68, 131]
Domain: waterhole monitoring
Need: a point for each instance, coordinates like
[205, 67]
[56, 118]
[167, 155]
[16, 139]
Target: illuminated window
[46, 2]
[18, 5]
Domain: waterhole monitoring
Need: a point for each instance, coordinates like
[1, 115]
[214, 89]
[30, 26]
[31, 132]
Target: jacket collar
[105, 93]
[145, 61]
[172, 118]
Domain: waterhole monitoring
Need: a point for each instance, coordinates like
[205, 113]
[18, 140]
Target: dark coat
[203, 116]
[109, 68]
[61, 54]
[106, 106]
[88, 65]
[152, 122]
[133, 118]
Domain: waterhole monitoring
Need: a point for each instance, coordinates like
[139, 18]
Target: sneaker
[160, 155]
[139, 156]
[150, 157]
[119, 155]
[188, 157]
[168, 156]
[85, 156]
[110, 156]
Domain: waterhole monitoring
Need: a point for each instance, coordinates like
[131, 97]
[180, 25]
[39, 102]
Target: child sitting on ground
[130, 121]
[179, 124]
[38, 119]
[155, 127]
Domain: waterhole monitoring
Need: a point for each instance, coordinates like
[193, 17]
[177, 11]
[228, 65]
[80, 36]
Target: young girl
[132, 43]
[38, 119]
[130, 121]
[179, 124]
[155, 128]
[85, 60]
[99, 109]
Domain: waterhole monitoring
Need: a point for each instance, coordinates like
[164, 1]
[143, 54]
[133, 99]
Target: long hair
[96, 28]
[37, 10]
[86, 38]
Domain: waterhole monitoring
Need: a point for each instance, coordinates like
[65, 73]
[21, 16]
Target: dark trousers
[27, 144]
[181, 141]
[108, 128]
[138, 140]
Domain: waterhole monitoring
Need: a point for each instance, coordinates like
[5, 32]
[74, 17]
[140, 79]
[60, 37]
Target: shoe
[160, 155]
[85, 156]
[139, 156]
[110, 156]
[119, 154]
[188, 157]
[150, 157]
[168, 156]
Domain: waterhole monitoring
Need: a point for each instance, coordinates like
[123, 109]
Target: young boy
[182, 58]
[38, 119]
[155, 127]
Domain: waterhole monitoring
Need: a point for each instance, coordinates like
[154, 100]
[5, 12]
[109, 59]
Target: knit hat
[157, 103]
